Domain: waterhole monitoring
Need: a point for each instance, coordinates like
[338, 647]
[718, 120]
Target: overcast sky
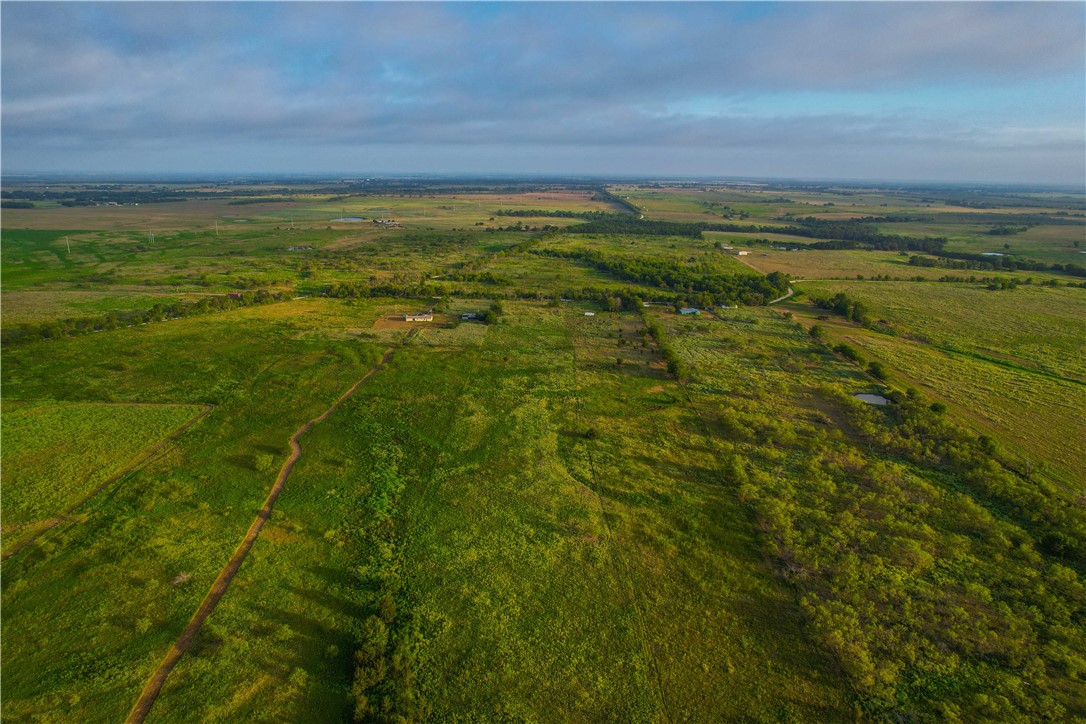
[990, 92]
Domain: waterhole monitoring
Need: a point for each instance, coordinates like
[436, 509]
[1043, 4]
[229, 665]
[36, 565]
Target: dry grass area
[180, 215]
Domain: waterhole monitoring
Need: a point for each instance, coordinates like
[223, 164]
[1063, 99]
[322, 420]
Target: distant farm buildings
[690, 310]
[741, 253]
[427, 317]
[299, 248]
[388, 223]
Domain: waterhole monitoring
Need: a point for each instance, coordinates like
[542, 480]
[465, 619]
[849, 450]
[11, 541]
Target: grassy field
[156, 543]
[1035, 415]
[851, 263]
[542, 572]
[1032, 326]
[56, 453]
[537, 514]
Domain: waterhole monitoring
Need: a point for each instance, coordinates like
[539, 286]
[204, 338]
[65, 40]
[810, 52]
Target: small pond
[870, 398]
[351, 218]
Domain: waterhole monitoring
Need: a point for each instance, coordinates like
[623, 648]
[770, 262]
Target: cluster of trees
[676, 366]
[942, 580]
[30, 331]
[5, 204]
[491, 314]
[622, 224]
[842, 304]
[923, 434]
[485, 277]
[386, 652]
[429, 290]
[1006, 230]
[519, 226]
[701, 284]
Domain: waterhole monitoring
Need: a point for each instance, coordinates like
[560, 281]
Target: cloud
[81, 77]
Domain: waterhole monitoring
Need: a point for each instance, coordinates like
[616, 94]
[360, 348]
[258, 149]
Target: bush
[849, 352]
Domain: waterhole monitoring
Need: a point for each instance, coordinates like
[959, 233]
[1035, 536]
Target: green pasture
[55, 453]
[630, 516]
[1032, 326]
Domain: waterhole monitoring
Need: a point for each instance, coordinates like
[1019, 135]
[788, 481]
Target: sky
[975, 92]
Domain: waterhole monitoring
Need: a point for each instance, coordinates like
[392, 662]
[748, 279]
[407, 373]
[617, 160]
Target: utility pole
[68, 244]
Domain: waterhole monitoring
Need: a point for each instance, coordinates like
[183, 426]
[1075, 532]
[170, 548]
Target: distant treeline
[54, 329]
[622, 224]
[259, 200]
[1006, 230]
[700, 285]
[855, 234]
[557, 213]
[6, 204]
[839, 234]
[96, 196]
[964, 260]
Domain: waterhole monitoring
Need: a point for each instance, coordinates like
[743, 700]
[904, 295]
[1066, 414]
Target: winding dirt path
[791, 291]
[142, 459]
[218, 588]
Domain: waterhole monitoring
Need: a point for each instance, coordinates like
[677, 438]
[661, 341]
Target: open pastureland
[568, 505]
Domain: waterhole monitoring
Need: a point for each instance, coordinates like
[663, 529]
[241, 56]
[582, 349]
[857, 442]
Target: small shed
[418, 317]
[741, 253]
[590, 314]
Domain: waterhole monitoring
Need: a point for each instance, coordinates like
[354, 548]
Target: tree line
[556, 213]
[965, 260]
[54, 329]
[701, 285]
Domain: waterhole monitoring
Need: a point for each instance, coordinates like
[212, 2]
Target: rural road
[137, 463]
[218, 588]
[791, 291]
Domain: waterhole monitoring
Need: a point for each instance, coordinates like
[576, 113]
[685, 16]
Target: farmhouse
[427, 317]
[690, 310]
[741, 253]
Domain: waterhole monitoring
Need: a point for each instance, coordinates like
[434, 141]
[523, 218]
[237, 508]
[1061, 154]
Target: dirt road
[218, 588]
